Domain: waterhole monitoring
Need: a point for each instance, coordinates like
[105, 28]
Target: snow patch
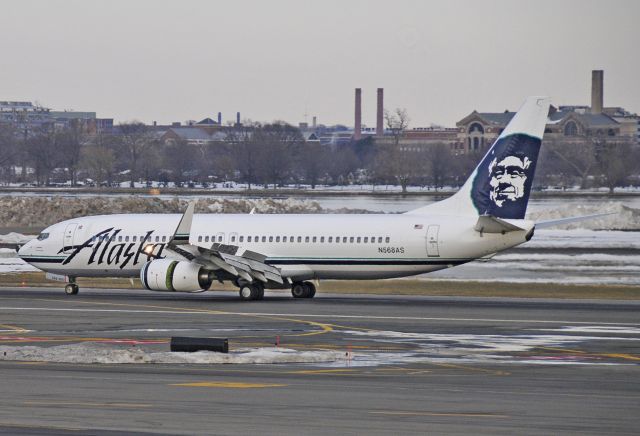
[105, 354]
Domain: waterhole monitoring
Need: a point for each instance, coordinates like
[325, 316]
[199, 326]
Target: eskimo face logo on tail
[503, 179]
[508, 178]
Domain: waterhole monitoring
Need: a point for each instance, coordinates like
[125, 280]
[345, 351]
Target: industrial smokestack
[357, 128]
[238, 118]
[597, 99]
[219, 118]
[315, 120]
[380, 113]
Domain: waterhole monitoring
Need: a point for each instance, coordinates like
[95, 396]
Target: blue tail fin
[501, 183]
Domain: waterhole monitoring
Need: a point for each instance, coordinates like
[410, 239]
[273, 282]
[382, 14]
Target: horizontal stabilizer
[560, 221]
[491, 224]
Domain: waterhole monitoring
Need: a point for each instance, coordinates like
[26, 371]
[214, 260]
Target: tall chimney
[357, 128]
[238, 118]
[315, 120]
[597, 80]
[380, 113]
[219, 118]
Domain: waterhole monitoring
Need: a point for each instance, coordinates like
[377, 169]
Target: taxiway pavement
[404, 365]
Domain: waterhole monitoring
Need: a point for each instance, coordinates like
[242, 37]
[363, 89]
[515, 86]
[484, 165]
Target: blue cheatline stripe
[340, 261]
[44, 259]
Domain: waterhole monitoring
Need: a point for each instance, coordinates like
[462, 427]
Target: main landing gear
[303, 290]
[251, 291]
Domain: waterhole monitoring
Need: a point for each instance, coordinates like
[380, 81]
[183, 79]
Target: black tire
[299, 290]
[71, 289]
[311, 289]
[247, 292]
[259, 291]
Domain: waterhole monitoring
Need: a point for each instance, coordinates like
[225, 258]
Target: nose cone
[24, 250]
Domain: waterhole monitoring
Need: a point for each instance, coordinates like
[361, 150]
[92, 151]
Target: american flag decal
[417, 227]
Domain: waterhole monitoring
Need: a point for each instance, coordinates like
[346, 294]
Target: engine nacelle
[174, 276]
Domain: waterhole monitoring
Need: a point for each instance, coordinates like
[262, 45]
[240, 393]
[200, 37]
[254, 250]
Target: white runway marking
[323, 316]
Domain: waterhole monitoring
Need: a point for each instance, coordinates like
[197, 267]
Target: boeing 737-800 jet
[188, 252]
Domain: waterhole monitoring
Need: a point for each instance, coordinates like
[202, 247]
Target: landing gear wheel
[71, 289]
[253, 291]
[260, 292]
[299, 290]
[311, 289]
[247, 292]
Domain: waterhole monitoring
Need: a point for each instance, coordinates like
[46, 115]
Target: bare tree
[71, 142]
[440, 163]
[9, 150]
[245, 151]
[42, 152]
[578, 157]
[98, 161]
[136, 140]
[615, 163]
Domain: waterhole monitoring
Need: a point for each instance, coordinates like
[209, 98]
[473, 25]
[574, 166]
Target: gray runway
[345, 365]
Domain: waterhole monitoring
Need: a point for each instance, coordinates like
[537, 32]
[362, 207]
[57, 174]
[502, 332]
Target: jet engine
[175, 276]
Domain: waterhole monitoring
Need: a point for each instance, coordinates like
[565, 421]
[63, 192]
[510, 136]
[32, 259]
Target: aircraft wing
[233, 259]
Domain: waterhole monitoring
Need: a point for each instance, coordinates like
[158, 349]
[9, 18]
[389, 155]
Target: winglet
[181, 235]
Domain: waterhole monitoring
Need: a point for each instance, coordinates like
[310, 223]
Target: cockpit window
[43, 236]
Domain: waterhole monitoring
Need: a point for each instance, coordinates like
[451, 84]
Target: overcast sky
[277, 60]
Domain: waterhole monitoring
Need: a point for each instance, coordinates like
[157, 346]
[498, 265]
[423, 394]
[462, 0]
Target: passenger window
[373, 239]
[264, 239]
[206, 238]
[379, 239]
[277, 238]
[241, 238]
[321, 239]
[351, 239]
[306, 239]
[284, 239]
[233, 239]
[314, 240]
[366, 239]
[220, 238]
[119, 238]
[270, 238]
[157, 238]
[164, 238]
[299, 238]
[330, 239]
[248, 238]
[358, 240]
[200, 238]
[135, 238]
[126, 239]
[344, 239]
[387, 240]
[256, 239]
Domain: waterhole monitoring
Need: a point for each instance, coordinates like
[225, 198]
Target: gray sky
[178, 60]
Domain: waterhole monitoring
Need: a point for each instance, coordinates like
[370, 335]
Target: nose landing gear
[71, 289]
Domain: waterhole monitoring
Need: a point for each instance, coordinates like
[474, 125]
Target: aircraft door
[69, 234]
[432, 241]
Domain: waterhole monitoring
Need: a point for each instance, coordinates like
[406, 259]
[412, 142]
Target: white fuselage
[303, 247]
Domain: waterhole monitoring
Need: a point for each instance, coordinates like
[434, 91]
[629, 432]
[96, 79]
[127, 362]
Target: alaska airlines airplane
[188, 252]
